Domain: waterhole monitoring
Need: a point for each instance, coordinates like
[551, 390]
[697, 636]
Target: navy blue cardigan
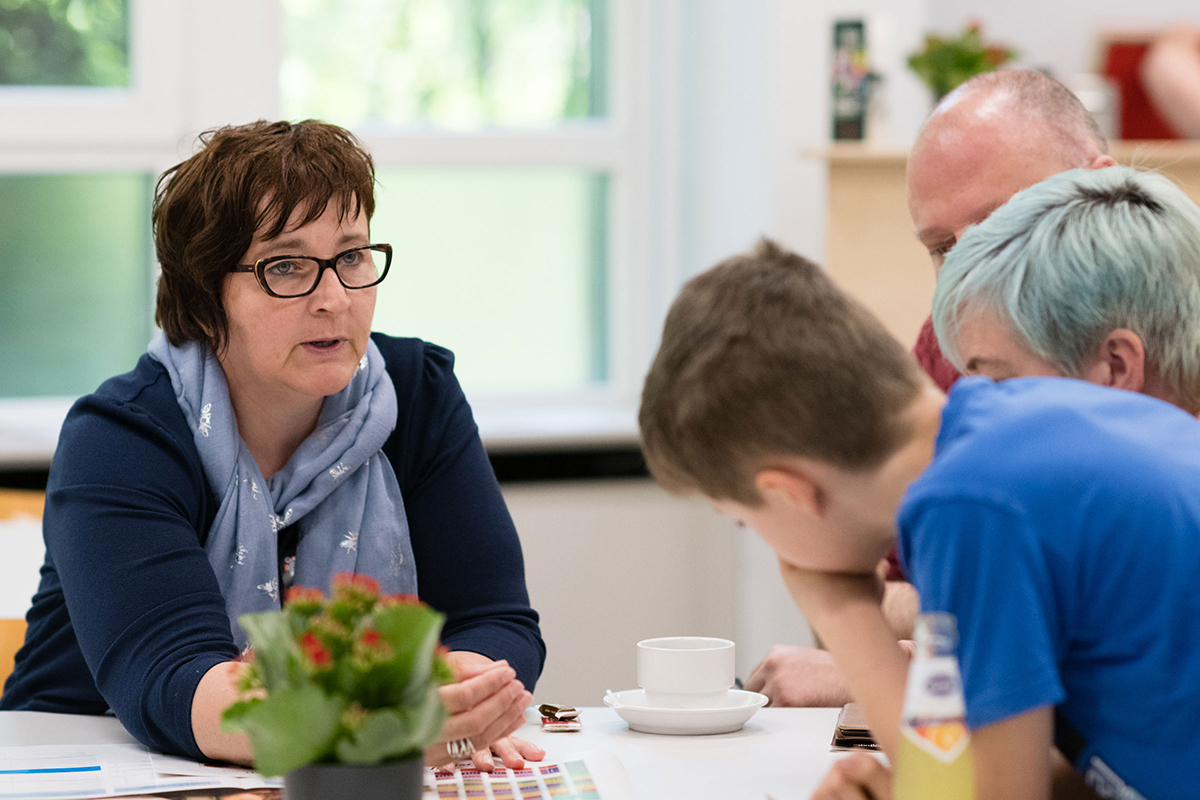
[128, 615]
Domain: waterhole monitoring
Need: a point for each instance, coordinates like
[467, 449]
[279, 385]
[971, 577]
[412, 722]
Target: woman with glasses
[267, 439]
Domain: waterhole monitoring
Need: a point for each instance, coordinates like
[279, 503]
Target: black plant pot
[400, 780]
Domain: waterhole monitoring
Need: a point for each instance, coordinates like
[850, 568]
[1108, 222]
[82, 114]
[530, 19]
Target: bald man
[991, 137]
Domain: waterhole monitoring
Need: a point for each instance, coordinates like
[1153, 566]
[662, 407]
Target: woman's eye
[281, 268]
[351, 259]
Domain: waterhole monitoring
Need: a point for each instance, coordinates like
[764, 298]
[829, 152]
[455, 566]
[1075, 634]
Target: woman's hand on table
[856, 777]
[486, 704]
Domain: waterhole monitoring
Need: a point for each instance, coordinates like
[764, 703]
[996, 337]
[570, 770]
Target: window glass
[64, 43]
[461, 64]
[74, 309]
[506, 267]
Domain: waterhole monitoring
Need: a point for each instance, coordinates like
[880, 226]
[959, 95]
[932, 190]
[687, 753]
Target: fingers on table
[856, 777]
[528, 749]
[758, 678]
[514, 751]
[483, 759]
[779, 662]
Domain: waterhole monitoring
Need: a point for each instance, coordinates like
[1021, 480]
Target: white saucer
[739, 706]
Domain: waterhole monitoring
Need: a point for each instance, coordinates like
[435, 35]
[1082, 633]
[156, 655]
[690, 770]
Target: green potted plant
[947, 61]
[341, 697]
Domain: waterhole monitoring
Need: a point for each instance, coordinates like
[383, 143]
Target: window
[49, 43]
[76, 283]
[506, 264]
[452, 64]
[505, 267]
[510, 140]
[77, 266]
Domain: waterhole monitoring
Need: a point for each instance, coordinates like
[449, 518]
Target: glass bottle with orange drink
[934, 759]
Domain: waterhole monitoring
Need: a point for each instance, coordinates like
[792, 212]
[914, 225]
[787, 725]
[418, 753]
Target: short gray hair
[1072, 258]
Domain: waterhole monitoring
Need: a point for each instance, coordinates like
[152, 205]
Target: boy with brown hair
[791, 407]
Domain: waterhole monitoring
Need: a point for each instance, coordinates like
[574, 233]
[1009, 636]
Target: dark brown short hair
[762, 356]
[245, 179]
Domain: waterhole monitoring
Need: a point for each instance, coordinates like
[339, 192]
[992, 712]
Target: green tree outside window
[64, 42]
[460, 64]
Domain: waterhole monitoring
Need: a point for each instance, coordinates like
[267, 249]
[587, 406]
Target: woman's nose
[330, 294]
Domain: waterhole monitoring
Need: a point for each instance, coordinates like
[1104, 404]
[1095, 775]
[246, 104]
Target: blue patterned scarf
[337, 481]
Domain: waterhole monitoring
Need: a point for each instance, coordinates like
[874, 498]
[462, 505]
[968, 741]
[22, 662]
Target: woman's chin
[326, 381]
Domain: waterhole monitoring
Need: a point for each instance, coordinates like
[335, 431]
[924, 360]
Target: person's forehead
[960, 176]
[982, 334]
[987, 344]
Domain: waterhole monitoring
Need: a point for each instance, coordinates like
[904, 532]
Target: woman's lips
[324, 346]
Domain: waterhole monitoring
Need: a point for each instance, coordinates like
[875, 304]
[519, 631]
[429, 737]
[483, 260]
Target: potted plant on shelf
[341, 697]
[947, 61]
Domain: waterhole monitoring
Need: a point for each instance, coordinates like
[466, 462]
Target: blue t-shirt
[1060, 523]
[129, 616]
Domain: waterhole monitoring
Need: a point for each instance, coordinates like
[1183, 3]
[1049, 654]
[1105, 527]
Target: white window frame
[198, 64]
[53, 119]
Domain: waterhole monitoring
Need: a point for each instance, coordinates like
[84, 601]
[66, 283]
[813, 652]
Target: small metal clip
[559, 718]
[558, 712]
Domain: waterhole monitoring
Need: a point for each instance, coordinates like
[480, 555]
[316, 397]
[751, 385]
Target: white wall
[723, 142]
[611, 563]
[1063, 37]
[799, 38]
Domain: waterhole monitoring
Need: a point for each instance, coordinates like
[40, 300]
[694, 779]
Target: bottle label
[944, 739]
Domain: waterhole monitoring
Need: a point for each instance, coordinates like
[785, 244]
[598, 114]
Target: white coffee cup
[685, 671]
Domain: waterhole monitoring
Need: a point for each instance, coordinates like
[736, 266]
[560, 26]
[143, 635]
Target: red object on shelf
[1139, 119]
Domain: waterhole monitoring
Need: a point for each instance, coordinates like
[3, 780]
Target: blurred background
[550, 171]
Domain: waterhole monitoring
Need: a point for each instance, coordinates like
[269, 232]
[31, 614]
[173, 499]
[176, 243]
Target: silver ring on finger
[460, 749]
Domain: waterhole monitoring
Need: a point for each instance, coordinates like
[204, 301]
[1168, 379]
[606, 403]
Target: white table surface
[781, 752]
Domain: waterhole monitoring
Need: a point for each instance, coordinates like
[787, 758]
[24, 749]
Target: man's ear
[1102, 161]
[1120, 362]
[793, 487]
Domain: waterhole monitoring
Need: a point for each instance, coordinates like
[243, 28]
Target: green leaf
[421, 675]
[394, 733]
[291, 727]
[383, 734]
[413, 632]
[276, 655]
[428, 719]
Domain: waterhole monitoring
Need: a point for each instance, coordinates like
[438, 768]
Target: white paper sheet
[62, 772]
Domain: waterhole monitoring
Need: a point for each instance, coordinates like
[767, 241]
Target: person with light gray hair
[1090, 274]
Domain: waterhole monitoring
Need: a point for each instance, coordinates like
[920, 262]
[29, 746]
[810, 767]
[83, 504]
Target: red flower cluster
[303, 594]
[371, 637]
[315, 651]
[399, 600]
[357, 581]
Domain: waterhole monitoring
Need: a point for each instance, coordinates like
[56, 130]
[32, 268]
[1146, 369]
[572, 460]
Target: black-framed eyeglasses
[296, 276]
